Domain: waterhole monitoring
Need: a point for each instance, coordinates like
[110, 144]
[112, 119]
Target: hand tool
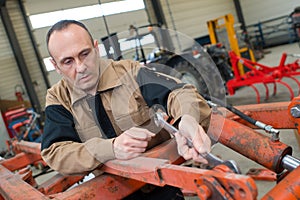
[211, 159]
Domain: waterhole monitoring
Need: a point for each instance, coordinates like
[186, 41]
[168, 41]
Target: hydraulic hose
[268, 128]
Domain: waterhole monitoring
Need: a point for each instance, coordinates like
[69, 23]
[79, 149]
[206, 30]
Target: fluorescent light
[86, 12]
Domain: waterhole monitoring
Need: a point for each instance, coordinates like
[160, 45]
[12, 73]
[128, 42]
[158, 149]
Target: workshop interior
[243, 57]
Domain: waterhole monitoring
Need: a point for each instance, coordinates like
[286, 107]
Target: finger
[198, 158]
[127, 152]
[182, 147]
[186, 152]
[128, 141]
[135, 149]
[188, 126]
[132, 142]
[139, 133]
[201, 141]
[123, 141]
[126, 155]
[180, 140]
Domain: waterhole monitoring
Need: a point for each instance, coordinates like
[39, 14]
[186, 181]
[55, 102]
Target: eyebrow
[70, 57]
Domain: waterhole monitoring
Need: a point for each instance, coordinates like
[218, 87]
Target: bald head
[63, 24]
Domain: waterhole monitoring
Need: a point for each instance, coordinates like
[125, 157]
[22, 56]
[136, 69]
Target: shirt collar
[108, 79]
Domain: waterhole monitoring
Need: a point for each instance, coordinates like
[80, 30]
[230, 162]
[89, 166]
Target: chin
[87, 85]
[88, 88]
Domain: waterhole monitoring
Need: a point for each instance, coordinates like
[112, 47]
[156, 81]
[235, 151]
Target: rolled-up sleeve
[187, 100]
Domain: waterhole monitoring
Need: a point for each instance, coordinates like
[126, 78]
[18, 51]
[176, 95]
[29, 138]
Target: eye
[68, 62]
[84, 54]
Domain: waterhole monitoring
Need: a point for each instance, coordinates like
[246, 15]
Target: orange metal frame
[161, 165]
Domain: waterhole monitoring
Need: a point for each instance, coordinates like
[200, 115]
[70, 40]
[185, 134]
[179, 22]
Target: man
[100, 109]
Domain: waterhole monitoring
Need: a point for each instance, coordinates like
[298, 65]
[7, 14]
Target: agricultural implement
[161, 165]
[258, 73]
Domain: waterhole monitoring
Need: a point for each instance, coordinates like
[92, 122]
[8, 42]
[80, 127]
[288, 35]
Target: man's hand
[132, 143]
[190, 128]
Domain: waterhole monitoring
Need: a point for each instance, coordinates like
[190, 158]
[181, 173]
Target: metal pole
[115, 46]
[173, 24]
[104, 19]
[240, 15]
[38, 56]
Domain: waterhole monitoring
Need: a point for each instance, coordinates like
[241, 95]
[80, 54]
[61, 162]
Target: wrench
[211, 159]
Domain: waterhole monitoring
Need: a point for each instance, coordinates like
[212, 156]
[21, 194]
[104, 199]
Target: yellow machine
[222, 30]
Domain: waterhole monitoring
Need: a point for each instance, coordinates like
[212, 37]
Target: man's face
[76, 57]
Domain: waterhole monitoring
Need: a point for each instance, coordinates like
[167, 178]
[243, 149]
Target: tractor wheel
[188, 74]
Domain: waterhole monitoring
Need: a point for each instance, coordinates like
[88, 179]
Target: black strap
[97, 107]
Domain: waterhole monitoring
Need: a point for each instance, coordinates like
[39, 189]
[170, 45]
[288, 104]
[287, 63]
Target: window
[82, 13]
[86, 12]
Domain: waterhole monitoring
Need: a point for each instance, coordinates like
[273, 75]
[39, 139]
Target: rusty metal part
[292, 115]
[26, 175]
[108, 186]
[249, 143]
[209, 188]
[274, 110]
[28, 147]
[287, 188]
[130, 176]
[159, 172]
[13, 187]
[102, 187]
[159, 166]
[58, 183]
[259, 124]
[269, 113]
[20, 161]
[262, 174]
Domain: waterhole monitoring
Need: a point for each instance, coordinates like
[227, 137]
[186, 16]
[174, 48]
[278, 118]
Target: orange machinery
[161, 165]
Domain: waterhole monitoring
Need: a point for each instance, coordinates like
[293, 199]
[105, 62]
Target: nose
[80, 66]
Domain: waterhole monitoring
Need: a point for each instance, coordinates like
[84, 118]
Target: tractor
[173, 53]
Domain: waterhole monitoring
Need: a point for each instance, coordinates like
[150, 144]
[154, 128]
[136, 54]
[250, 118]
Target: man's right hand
[132, 143]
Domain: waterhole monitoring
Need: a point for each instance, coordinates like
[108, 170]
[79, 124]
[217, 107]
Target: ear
[55, 66]
[96, 46]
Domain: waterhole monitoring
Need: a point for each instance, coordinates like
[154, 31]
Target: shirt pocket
[133, 119]
[129, 110]
[86, 133]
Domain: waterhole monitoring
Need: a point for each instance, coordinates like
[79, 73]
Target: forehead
[73, 36]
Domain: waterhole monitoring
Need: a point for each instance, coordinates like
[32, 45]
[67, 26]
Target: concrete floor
[246, 96]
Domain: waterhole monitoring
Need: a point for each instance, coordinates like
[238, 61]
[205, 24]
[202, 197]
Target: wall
[190, 17]
[257, 10]
[187, 17]
[10, 75]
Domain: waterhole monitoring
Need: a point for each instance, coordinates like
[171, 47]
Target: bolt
[295, 111]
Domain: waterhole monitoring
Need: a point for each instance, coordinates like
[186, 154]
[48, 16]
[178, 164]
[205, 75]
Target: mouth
[86, 76]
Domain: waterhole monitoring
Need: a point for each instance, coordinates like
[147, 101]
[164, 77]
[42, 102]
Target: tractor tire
[188, 74]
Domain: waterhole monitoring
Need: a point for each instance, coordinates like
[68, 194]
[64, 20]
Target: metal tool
[211, 159]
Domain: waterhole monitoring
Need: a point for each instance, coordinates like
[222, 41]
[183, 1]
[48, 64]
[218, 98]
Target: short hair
[60, 25]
